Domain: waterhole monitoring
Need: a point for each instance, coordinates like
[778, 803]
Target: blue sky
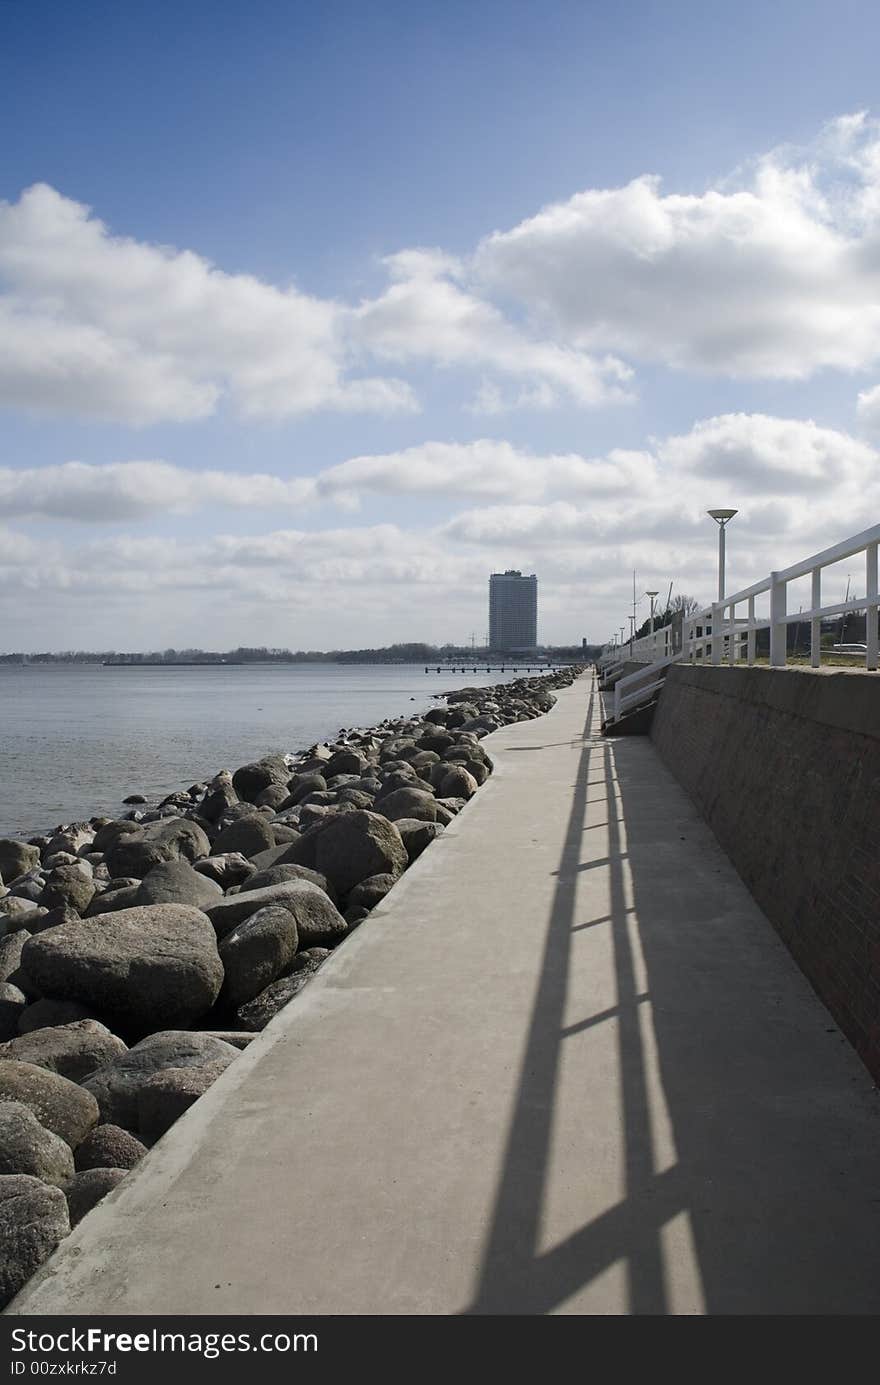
[312, 316]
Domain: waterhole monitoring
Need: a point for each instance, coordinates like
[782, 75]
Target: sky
[313, 316]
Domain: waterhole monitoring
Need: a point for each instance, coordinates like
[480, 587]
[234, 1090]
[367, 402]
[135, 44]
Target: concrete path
[566, 1068]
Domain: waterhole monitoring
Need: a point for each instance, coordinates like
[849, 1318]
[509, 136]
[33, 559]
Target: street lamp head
[722, 516]
[652, 593]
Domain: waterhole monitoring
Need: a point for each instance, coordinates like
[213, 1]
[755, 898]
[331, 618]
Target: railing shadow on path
[769, 1232]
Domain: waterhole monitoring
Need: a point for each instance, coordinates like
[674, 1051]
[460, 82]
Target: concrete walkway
[566, 1068]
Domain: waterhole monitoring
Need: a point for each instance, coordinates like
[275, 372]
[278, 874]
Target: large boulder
[142, 969]
[74, 1051]
[175, 882]
[33, 1220]
[62, 913]
[408, 803]
[232, 868]
[115, 1088]
[318, 920]
[60, 1105]
[26, 1146]
[276, 875]
[255, 953]
[457, 783]
[11, 948]
[257, 1013]
[249, 781]
[16, 858]
[13, 1003]
[45, 1014]
[169, 839]
[249, 835]
[109, 1147]
[85, 1190]
[371, 891]
[112, 900]
[355, 846]
[69, 885]
[71, 839]
[417, 835]
[346, 761]
[164, 1097]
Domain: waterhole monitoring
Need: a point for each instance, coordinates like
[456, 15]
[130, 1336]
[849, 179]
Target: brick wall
[785, 765]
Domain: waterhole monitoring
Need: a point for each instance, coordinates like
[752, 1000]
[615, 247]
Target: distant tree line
[406, 653]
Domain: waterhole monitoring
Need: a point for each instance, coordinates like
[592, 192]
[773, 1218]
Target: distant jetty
[172, 663]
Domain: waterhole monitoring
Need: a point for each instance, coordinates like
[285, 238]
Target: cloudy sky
[313, 315]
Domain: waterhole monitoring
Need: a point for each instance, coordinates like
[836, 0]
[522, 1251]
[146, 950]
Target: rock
[16, 912]
[175, 882]
[85, 1190]
[33, 1221]
[116, 1087]
[282, 834]
[29, 889]
[408, 803]
[457, 783]
[318, 920]
[16, 858]
[111, 901]
[72, 839]
[145, 968]
[74, 1050]
[271, 856]
[71, 886]
[478, 771]
[345, 762]
[355, 915]
[357, 845]
[371, 891]
[134, 798]
[11, 948]
[110, 833]
[417, 835]
[168, 1094]
[61, 1106]
[12, 1006]
[273, 797]
[249, 781]
[27, 1146]
[249, 835]
[109, 1147]
[45, 1013]
[232, 868]
[255, 953]
[304, 784]
[169, 839]
[275, 875]
[63, 913]
[356, 797]
[257, 1013]
[239, 1038]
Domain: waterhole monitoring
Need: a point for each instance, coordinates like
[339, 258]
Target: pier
[567, 1066]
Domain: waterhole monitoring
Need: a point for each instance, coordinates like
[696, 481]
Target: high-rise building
[513, 610]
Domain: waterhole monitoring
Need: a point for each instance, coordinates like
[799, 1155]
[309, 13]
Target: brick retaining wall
[785, 765]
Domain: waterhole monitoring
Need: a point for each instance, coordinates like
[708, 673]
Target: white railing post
[751, 637]
[871, 612]
[717, 633]
[816, 621]
[617, 700]
[778, 626]
[732, 651]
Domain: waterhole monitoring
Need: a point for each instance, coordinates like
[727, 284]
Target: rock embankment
[140, 955]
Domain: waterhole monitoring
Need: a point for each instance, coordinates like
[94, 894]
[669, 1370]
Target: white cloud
[756, 454]
[112, 328]
[429, 313]
[868, 408]
[776, 278]
[137, 490]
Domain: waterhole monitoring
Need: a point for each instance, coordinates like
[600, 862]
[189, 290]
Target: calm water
[74, 741]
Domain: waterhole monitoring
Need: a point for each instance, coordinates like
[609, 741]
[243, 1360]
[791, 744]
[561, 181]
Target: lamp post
[722, 518]
[653, 596]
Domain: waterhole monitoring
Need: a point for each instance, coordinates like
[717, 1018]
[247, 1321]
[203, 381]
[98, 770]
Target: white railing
[718, 631]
